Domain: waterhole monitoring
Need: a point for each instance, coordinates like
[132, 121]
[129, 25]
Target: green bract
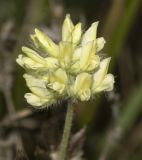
[71, 69]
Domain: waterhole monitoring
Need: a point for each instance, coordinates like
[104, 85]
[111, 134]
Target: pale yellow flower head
[71, 69]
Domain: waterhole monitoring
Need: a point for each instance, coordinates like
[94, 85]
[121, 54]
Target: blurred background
[108, 128]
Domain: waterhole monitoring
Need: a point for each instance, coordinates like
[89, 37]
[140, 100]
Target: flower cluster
[71, 69]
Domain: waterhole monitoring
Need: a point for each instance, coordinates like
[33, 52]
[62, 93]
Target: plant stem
[66, 133]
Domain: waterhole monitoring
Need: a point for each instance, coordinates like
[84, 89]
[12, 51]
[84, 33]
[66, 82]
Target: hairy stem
[66, 133]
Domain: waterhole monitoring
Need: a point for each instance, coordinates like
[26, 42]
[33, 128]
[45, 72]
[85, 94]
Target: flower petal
[107, 84]
[75, 64]
[33, 55]
[34, 100]
[28, 63]
[86, 55]
[51, 48]
[65, 54]
[52, 63]
[58, 80]
[77, 54]
[90, 34]
[88, 60]
[82, 86]
[35, 40]
[37, 86]
[76, 34]
[37, 101]
[99, 76]
[20, 61]
[100, 43]
[67, 29]
[94, 63]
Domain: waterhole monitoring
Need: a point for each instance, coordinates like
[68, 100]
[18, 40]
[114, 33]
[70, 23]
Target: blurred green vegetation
[113, 120]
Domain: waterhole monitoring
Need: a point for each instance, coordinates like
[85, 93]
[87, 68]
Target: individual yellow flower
[70, 69]
[46, 43]
[58, 81]
[33, 60]
[82, 86]
[71, 33]
[65, 54]
[40, 95]
[101, 80]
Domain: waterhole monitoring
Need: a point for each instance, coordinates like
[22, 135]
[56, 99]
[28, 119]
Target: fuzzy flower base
[71, 69]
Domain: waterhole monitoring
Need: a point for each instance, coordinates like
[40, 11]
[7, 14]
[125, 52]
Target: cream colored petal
[82, 86]
[20, 61]
[86, 55]
[85, 95]
[59, 76]
[58, 80]
[37, 86]
[33, 55]
[52, 63]
[75, 68]
[35, 41]
[83, 80]
[67, 29]
[76, 34]
[90, 34]
[77, 54]
[100, 44]
[99, 76]
[51, 48]
[35, 100]
[56, 86]
[39, 102]
[28, 63]
[75, 64]
[65, 54]
[88, 60]
[107, 84]
[39, 46]
[94, 63]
